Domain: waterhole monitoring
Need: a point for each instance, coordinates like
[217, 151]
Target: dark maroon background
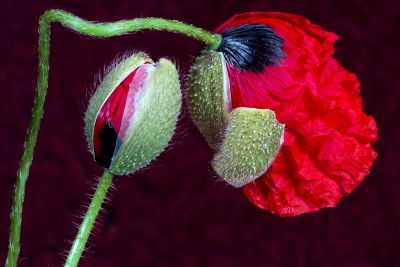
[176, 213]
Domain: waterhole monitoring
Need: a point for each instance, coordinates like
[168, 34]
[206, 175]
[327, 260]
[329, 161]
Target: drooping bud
[132, 115]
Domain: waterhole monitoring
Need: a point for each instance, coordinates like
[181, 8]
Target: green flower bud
[133, 113]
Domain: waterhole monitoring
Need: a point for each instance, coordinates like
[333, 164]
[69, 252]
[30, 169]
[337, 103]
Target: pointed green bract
[251, 142]
[158, 107]
[208, 95]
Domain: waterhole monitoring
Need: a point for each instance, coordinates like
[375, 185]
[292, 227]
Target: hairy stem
[108, 29]
[88, 221]
[83, 27]
[29, 145]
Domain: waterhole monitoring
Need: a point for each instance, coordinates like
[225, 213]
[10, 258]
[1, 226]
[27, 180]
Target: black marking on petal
[251, 47]
[109, 138]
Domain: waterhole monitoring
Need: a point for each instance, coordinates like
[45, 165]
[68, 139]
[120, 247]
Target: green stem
[29, 145]
[108, 29]
[88, 221]
[86, 28]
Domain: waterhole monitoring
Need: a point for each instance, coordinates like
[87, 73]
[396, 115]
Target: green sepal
[208, 95]
[251, 142]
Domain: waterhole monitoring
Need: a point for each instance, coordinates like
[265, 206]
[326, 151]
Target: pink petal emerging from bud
[116, 115]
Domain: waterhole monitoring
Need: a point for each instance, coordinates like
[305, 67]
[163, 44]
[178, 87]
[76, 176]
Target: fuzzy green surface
[205, 92]
[29, 144]
[117, 72]
[86, 226]
[107, 29]
[251, 142]
[157, 111]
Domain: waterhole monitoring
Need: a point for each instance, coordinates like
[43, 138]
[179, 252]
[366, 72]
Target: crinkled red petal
[327, 149]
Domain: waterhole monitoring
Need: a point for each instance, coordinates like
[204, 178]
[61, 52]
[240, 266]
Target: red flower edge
[327, 149]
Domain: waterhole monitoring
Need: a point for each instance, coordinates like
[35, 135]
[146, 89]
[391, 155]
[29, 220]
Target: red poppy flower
[327, 142]
[282, 62]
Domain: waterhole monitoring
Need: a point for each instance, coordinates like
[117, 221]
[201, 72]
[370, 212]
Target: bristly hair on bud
[133, 113]
[251, 47]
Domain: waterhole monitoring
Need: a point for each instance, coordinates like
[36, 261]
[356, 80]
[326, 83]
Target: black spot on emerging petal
[251, 47]
[109, 138]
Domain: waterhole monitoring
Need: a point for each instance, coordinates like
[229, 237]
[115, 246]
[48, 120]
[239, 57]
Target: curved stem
[86, 28]
[88, 221]
[107, 29]
[29, 145]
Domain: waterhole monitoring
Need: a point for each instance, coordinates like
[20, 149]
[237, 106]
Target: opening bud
[246, 140]
[133, 113]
